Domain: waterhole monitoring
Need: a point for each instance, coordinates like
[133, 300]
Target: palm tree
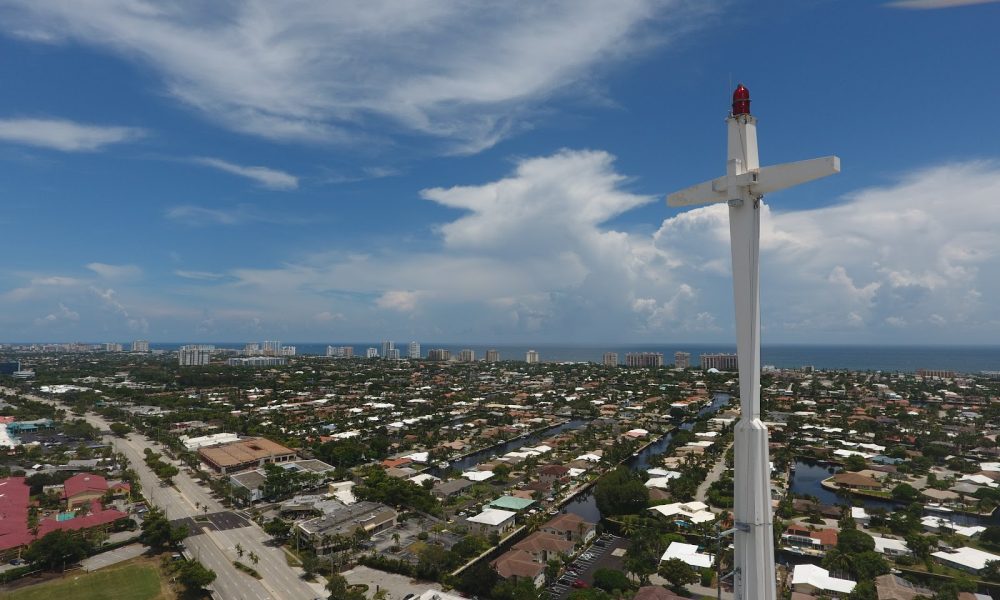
[239, 550]
[254, 558]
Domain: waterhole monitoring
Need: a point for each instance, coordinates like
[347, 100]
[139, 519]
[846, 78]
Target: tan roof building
[517, 564]
[855, 481]
[245, 454]
[891, 587]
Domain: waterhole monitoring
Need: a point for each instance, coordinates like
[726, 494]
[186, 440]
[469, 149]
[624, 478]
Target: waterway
[585, 505]
[809, 473]
[470, 461]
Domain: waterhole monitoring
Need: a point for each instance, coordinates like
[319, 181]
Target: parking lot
[397, 586]
[601, 554]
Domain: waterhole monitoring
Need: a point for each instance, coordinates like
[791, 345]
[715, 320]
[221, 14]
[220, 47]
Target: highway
[213, 547]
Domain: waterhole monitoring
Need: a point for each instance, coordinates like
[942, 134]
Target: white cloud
[201, 216]
[67, 136]
[199, 275]
[400, 300]
[115, 271]
[467, 72]
[63, 314]
[269, 178]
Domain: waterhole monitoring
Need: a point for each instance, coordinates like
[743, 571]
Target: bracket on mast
[735, 202]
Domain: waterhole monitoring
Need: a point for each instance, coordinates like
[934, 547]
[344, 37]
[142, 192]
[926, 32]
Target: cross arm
[779, 177]
[706, 192]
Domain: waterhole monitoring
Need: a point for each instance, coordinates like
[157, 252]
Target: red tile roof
[82, 483]
[14, 502]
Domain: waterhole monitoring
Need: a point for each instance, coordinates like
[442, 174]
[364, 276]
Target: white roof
[421, 478]
[990, 466]
[696, 512]
[438, 595]
[589, 457]
[420, 457]
[967, 557]
[882, 544]
[858, 512]
[662, 482]
[819, 578]
[492, 516]
[477, 475]
[979, 480]
[687, 553]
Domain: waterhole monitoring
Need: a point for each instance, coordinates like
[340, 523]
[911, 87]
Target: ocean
[964, 359]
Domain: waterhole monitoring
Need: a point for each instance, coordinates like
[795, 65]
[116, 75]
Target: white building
[531, 357]
[467, 355]
[371, 353]
[414, 350]
[193, 443]
[492, 355]
[695, 512]
[890, 546]
[966, 559]
[688, 554]
[492, 520]
[194, 355]
[140, 346]
[811, 579]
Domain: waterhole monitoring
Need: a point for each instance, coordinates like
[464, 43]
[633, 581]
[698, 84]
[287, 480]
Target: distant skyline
[460, 171]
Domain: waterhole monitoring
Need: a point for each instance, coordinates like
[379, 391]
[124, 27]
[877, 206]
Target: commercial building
[644, 359]
[682, 360]
[413, 351]
[531, 357]
[323, 532]
[244, 454]
[195, 355]
[467, 355]
[610, 359]
[492, 355]
[438, 354]
[140, 346]
[719, 362]
[387, 347]
[371, 353]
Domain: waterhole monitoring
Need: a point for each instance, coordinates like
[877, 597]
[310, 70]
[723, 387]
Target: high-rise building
[271, 348]
[393, 354]
[610, 359]
[531, 357]
[340, 351]
[287, 351]
[387, 347]
[492, 355]
[112, 347]
[721, 362]
[644, 359]
[251, 349]
[414, 350]
[140, 346]
[682, 360]
[194, 355]
[467, 355]
[257, 361]
[438, 354]
[371, 353]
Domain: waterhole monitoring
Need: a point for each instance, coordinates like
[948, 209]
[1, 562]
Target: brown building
[855, 481]
[249, 453]
[544, 547]
[570, 527]
[518, 564]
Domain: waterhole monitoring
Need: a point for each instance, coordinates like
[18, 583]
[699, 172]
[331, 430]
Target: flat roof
[511, 503]
[492, 516]
[243, 451]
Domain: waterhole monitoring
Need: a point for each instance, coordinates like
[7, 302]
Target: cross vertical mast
[742, 188]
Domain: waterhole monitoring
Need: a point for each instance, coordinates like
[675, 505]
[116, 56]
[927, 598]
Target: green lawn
[131, 582]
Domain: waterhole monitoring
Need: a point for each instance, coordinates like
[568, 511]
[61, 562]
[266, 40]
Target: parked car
[579, 583]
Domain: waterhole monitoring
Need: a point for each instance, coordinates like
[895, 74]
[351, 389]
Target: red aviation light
[741, 100]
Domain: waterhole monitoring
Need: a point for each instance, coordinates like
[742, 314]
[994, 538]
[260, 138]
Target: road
[213, 547]
[712, 477]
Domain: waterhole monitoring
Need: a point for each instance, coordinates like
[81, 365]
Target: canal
[585, 505]
[470, 461]
[808, 475]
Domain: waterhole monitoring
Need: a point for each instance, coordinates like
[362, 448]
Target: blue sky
[444, 171]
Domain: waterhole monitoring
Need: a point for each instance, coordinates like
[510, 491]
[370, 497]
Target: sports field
[133, 581]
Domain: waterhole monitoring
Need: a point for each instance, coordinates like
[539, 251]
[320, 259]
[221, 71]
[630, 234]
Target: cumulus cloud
[897, 256]
[63, 314]
[269, 178]
[67, 136]
[470, 73]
